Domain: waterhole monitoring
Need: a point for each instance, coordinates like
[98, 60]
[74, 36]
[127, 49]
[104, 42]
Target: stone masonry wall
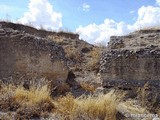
[26, 55]
[140, 64]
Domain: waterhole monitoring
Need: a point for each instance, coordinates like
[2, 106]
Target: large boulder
[25, 56]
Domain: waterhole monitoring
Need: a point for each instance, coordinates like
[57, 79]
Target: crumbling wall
[131, 63]
[139, 64]
[27, 56]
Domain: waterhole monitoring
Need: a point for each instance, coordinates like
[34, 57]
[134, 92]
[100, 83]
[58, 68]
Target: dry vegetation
[95, 55]
[27, 104]
[88, 86]
[56, 39]
[37, 103]
[73, 54]
[101, 107]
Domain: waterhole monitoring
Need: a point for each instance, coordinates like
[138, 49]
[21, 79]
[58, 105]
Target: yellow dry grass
[33, 95]
[101, 107]
[91, 107]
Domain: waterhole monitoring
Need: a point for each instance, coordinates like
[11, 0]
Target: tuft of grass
[65, 106]
[26, 103]
[33, 95]
[101, 107]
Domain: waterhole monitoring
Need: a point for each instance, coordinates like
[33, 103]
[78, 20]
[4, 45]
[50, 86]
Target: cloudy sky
[94, 20]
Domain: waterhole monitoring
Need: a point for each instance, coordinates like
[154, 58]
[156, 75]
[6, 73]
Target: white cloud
[101, 33]
[85, 7]
[148, 16]
[158, 2]
[40, 14]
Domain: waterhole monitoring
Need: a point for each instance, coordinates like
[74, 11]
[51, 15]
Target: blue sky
[119, 10]
[94, 20]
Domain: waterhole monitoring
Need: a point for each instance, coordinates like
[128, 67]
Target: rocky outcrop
[24, 56]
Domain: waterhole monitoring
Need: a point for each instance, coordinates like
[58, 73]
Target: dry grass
[33, 95]
[142, 93]
[88, 87]
[55, 38]
[28, 104]
[95, 55]
[149, 97]
[132, 110]
[131, 106]
[36, 103]
[101, 107]
[73, 54]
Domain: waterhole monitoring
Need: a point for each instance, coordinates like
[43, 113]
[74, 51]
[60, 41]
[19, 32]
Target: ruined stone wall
[132, 64]
[24, 55]
[142, 64]
[132, 57]
[135, 40]
[134, 71]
